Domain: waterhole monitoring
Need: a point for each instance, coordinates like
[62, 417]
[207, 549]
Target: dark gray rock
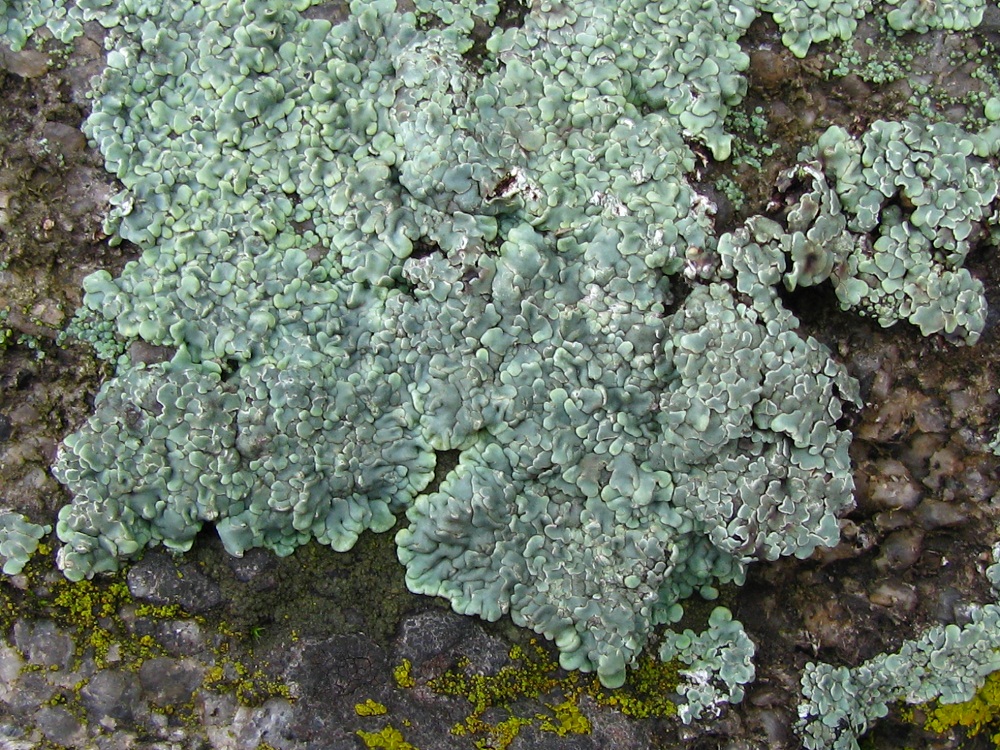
[253, 566]
[60, 726]
[170, 682]
[32, 691]
[332, 675]
[158, 579]
[900, 550]
[44, 643]
[111, 694]
[936, 514]
[432, 633]
[180, 637]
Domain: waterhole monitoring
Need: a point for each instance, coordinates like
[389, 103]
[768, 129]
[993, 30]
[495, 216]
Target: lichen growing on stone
[923, 15]
[718, 663]
[889, 218]
[948, 663]
[975, 716]
[804, 23]
[363, 245]
[19, 538]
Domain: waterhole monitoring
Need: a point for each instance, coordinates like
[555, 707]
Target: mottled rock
[891, 487]
[770, 70]
[951, 605]
[252, 566]
[428, 634]
[27, 63]
[230, 726]
[180, 637]
[142, 351]
[855, 87]
[157, 579]
[44, 643]
[111, 694]
[935, 514]
[170, 682]
[324, 673]
[900, 550]
[60, 727]
[894, 595]
[65, 139]
[32, 690]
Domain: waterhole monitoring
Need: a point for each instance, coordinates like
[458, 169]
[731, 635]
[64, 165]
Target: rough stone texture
[111, 696]
[161, 580]
[170, 682]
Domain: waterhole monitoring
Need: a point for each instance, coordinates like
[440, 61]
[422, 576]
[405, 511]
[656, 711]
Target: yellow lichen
[370, 708]
[402, 675]
[534, 675]
[645, 693]
[388, 738]
[566, 718]
[499, 736]
[980, 713]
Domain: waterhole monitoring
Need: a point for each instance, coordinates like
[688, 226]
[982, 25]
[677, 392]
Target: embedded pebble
[895, 595]
[935, 514]
[26, 63]
[770, 70]
[60, 726]
[900, 550]
[111, 694]
[891, 487]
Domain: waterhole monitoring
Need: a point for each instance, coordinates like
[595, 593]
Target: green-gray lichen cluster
[948, 663]
[363, 251]
[924, 15]
[19, 538]
[364, 244]
[889, 218]
[806, 22]
[718, 663]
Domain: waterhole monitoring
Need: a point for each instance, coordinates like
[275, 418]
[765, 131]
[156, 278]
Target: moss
[316, 591]
[647, 690]
[976, 716]
[532, 676]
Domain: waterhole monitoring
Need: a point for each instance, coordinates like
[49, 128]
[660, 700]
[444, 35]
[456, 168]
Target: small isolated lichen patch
[387, 738]
[19, 538]
[370, 708]
[402, 674]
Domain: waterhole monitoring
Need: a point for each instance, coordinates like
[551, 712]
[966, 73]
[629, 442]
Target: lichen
[981, 713]
[948, 664]
[370, 708]
[362, 247]
[387, 738]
